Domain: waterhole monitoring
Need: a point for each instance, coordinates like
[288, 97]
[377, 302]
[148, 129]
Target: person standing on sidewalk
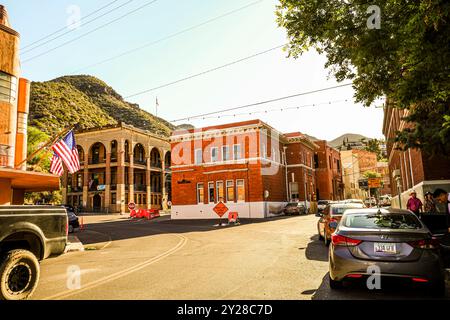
[429, 205]
[414, 204]
[442, 196]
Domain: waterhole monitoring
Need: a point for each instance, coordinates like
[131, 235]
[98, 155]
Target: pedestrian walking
[442, 196]
[414, 204]
[429, 205]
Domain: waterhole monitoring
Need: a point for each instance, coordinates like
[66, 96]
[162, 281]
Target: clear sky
[238, 35]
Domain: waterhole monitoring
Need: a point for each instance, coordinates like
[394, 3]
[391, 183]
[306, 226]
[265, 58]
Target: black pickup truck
[28, 234]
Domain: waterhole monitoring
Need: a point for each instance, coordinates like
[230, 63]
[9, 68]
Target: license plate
[385, 247]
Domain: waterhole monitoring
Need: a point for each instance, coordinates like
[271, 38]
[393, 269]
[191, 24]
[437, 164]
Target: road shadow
[316, 250]
[125, 228]
[357, 290]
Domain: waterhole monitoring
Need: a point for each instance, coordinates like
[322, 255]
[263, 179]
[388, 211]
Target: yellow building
[14, 105]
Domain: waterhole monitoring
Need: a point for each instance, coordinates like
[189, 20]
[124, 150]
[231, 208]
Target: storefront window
[219, 185]
[230, 191]
[240, 190]
[200, 193]
[8, 87]
[211, 192]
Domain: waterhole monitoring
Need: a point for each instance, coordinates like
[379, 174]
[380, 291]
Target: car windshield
[382, 221]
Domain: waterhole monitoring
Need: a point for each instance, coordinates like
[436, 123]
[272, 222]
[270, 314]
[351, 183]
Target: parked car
[28, 234]
[322, 204]
[358, 201]
[330, 217]
[385, 200]
[372, 202]
[74, 222]
[294, 208]
[394, 240]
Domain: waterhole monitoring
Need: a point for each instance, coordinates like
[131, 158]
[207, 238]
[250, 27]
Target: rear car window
[292, 204]
[382, 221]
[340, 210]
[322, 202]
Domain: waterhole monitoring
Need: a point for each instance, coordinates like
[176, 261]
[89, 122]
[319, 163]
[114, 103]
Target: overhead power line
[152, 43]
[92, 31]
[263, 102]
[205, 72]
[72, 30]
[65, 27]
[253, 112]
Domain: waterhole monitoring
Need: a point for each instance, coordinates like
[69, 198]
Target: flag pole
[45, 146]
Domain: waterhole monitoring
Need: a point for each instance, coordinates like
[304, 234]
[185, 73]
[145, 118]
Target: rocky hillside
[86, 102]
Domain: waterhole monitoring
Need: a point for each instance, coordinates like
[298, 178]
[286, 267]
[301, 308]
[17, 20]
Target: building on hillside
[328, 164]
[120, 164]
[382, 169]
[251, 167]
[15, 180]
[411, 169]
[355, 163]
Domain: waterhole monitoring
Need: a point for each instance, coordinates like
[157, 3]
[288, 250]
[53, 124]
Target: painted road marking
[117, 275]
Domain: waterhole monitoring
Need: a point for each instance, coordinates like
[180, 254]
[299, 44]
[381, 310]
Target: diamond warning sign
[220, 209]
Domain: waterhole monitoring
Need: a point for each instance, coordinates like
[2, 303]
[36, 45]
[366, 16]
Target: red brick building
[250, 166]
[411, 169]
[328, 172]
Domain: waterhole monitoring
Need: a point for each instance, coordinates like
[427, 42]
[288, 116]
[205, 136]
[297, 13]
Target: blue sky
[238, 35]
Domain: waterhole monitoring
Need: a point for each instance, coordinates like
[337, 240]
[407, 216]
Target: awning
[30, 181]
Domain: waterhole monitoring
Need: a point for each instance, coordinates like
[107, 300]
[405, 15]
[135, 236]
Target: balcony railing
[140, 187]
[141, 162]
[97, 161]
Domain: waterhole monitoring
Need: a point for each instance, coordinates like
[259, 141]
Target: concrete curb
[73, 244]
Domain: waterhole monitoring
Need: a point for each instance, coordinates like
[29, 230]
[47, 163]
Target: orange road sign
[220, 209]
[374, 183]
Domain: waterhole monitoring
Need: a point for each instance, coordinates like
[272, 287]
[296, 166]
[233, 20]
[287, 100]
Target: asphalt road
[279, 258]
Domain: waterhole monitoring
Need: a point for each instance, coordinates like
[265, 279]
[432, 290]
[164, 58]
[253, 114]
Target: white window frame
[237, 190]
[196, 159]
[226, 191]
[217, 155]
[203, 187]
[227, 148]
[234, 152]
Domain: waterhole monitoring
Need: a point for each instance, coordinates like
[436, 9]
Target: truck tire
[19, 275]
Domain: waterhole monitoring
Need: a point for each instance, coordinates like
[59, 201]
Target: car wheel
[19, 275]
[336, 285]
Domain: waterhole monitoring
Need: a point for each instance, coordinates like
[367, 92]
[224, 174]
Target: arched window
[155, 158]
[139, 154]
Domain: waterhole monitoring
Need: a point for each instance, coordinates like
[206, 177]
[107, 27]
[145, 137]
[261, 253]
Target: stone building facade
[120, 164]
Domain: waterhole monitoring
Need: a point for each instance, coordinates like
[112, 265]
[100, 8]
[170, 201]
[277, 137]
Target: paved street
[279, 258]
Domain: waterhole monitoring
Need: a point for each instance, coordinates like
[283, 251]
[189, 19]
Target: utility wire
[205, 72]
[152, 43]
[92, 31]
[73, 23]
[72, 30]
[263, 102]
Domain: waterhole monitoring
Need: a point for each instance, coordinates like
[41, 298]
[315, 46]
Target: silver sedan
[388, 243]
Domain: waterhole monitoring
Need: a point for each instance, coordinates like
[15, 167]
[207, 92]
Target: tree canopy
[406, 59]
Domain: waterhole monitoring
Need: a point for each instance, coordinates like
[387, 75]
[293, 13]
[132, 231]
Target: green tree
[406, 60]
[40, 163]
[373, 145]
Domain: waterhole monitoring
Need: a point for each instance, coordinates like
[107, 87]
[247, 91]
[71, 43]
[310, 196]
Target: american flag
[56, 166]
[67, 150]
